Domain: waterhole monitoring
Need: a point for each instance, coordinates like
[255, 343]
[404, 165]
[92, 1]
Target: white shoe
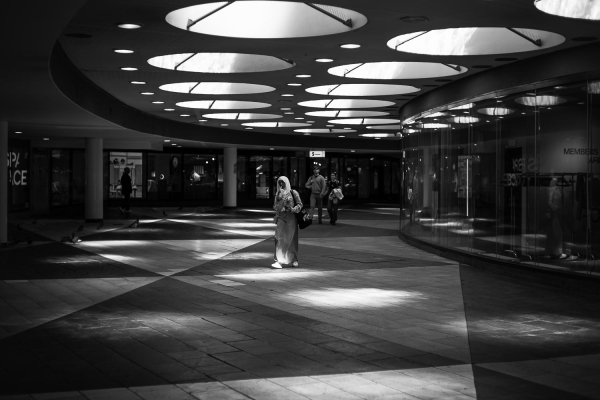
[295, 264]
[276, 265]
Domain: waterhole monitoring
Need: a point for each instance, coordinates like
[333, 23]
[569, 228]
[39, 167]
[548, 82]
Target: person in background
[287, 203]
[318, 188]
[126, 190]
[334, 202]
[332, 180]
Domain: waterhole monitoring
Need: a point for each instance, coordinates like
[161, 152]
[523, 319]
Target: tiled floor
[186, 307]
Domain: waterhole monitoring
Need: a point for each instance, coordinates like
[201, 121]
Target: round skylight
[324, 130]
[385, 127]
[220, 63]
[216, 88]
[540, 101]
[432, 125]
[275, 124]
[463, 107]
[360, 89]
[345, 103]
[396, 70]
[377, 135]
[495, 111]
[265, 19]
[241, 116]
[462, 120]
[475, 41]
[222, 104]
[363, 121]
[346, 113]
[581, 9]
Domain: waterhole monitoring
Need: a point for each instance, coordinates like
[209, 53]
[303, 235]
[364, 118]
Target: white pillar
[4, 183]
[229, 177]
[93, 180]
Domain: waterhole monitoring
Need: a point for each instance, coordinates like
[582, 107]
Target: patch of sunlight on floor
[359, 297]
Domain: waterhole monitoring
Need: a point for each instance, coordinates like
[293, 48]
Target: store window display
[512, 177]
[118, 162]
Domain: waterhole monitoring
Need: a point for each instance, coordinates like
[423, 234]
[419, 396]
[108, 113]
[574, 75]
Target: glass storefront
[18, 174]
[515, 177]
[120, 160]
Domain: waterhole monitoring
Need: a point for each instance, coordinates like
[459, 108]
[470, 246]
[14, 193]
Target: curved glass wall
[515, 178]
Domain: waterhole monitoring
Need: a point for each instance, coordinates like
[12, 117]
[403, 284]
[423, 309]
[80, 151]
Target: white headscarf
[286, 190]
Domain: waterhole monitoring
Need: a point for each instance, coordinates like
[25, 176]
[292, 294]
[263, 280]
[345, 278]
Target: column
[93, 180]
[229, 177]
[3, 183]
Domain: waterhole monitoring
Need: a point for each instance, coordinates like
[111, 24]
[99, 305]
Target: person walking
[318, 188]
[334, 202]
[126, 190]
[287, 203]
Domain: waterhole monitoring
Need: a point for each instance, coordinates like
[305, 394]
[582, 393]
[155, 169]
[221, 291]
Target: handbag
[302, 217]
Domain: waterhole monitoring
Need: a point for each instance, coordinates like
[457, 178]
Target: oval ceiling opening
[216, 88]
[220, 63]
[397, 70]
[362, 89]
[265, 19]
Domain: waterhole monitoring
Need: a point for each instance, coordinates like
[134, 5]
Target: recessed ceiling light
[329, 126]
[307, 134]
[123, 51]
[249, 128]
[184, 115]
[129, 26]
[138, 82]
[46, 138]
[352, 151]
[377, 138]
[167, 140]
[289, 112]
[128, 69]
[347, 128]
[158, 102]
[341, 136]
[224, 124]
[299, 118]
[311, 122]
[169, 109]
[350, 46]
[302, 76]
[201, 120]
[147, 93]
[271, 148]
[180, 146]
[173, 144]
[18, 132]
[324, 60]
[287, 95]
[285, 109]
[294, 84]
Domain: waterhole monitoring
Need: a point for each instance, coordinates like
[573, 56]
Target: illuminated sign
[316, 153]
[16, 176]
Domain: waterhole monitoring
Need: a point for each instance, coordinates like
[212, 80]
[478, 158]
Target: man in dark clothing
[125, 190]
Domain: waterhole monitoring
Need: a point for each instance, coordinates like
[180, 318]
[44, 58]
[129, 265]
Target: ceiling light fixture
[158, 102]
[201, 120]
[128, 69]
[350, 46]
[147, 93]
[185, 115]
[138, 82]
[285, 109]
[224, 124]
[324, 60]
[249, 128]
[287, 95]
[46, 138]
[303, 76]
[294, 84]
[341, 136]
[129, 26]
[169, 109]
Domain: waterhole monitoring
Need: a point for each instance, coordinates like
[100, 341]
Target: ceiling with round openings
[345, 103]
[222, 104]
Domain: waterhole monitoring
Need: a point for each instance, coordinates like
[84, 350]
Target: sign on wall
[316, 153]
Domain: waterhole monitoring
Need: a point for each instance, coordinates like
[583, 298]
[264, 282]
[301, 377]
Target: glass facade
[515, 178]
[18, 174]
[120, 160]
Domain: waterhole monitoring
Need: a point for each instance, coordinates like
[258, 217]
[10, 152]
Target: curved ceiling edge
[520, 73]
[84, 93]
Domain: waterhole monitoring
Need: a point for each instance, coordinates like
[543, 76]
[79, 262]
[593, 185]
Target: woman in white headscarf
[287, 203]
